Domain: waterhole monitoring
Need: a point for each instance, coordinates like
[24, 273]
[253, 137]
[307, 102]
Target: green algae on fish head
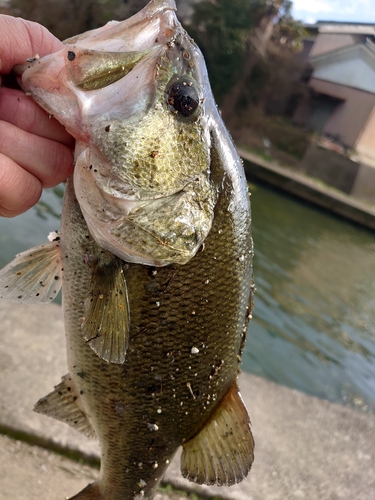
[153, 157]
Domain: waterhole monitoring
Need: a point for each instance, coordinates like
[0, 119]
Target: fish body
[156, 251]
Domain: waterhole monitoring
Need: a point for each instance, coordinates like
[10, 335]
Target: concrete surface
[309, 189]
[305, 447]
[32, 362]
[29, 472]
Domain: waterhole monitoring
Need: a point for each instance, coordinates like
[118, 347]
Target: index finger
[20, 39]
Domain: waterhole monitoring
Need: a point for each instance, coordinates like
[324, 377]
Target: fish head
[136, 96]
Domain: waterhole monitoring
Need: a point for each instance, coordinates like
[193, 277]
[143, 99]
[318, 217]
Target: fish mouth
[98, 58]
[154, 25]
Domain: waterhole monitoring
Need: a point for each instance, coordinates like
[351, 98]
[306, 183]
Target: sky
[310, 11]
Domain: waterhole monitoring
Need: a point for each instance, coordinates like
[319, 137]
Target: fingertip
[60, 168]
[48, 160]
[19, 110]
[19, 190]
[20, 39]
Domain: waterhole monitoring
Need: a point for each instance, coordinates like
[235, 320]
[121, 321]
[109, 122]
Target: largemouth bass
[154, 256]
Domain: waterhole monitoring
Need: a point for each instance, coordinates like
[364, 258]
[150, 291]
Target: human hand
[35, 150]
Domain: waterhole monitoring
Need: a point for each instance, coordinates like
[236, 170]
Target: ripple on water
[314, 316]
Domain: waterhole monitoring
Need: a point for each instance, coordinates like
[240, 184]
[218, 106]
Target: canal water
[313, 327]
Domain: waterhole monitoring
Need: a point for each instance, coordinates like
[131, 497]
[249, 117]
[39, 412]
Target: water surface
[31, 228]
[314, 318]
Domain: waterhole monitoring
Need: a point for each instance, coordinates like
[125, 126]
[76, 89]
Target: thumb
[20, 39]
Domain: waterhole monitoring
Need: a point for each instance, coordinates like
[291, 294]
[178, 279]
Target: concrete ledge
[30, 472]
[305, 447]
[32, 362]
[309, 189]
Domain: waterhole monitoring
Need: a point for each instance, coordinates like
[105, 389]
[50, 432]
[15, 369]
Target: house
[340, 106]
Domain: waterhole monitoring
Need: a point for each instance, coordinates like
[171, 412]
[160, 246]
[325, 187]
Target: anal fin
[223, 451]
[33, 276]
[63, 404]
[106, 325]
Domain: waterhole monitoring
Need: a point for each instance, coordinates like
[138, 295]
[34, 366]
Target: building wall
[365, 145]
[328, 42]
[353, 67]
[351, 116]
[364, 184]
[332, 168]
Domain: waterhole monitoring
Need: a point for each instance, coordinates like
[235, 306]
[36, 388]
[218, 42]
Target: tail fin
[91, 492]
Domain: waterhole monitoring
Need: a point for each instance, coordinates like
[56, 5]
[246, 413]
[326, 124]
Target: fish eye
[183, 97]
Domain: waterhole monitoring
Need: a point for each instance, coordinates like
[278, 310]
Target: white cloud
[353, 7]
[339, 10]
[314, 6]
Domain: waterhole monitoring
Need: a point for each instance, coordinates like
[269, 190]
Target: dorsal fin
[107, 317]
[33, 276]
[223, 451]
[64, 404]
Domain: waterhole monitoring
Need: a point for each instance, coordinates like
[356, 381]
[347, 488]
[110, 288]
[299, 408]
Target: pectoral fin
[223, 451]
[33, 276]
[106, 325]
[63, 404]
